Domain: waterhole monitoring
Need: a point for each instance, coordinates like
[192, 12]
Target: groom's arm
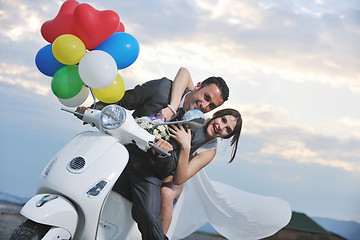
[166, 165]
[138, 96]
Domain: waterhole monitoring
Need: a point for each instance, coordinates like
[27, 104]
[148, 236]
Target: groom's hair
[220, 83]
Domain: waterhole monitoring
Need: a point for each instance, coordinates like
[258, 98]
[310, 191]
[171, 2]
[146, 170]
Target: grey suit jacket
[146, 100]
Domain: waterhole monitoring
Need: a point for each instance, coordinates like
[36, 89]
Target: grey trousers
[146, 200]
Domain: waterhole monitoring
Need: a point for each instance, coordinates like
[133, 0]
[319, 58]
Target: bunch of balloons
[87, 48]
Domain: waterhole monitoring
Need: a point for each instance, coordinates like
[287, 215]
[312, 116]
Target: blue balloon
[46, 62]
[123, 47]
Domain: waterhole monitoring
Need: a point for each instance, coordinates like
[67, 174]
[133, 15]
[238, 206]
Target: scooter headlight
[112, 116]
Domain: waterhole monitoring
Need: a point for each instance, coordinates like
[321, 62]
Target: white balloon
[78, 99]
[97, 69]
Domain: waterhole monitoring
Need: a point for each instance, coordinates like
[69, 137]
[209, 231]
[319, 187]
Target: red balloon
[121, 27]
[61, 24]
[93, 26]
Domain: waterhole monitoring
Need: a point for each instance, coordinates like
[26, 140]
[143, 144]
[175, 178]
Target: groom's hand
[165, 145]
[81, 110]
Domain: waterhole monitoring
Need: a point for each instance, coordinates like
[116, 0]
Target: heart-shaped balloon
[93, 26]
[61, 24]
[121, 27]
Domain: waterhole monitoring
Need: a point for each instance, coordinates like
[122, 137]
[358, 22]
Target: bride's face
[221, 126]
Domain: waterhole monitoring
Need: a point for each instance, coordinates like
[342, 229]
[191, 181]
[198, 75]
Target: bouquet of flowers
[160, 132]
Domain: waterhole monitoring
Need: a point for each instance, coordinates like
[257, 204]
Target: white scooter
[74, 197]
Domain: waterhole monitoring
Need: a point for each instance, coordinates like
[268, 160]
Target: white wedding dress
[234, 213]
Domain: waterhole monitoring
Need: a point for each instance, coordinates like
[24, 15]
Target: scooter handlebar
[72, 111]
[87, 117]
[159, 149]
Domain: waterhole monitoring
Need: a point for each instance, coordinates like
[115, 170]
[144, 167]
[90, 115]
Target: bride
[233, 213]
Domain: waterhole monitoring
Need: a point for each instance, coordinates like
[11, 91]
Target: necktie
[178, 116]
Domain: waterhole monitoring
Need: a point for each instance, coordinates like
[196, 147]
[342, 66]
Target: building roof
[301, 222]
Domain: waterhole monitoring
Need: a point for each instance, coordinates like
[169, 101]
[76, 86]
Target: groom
[141, 179]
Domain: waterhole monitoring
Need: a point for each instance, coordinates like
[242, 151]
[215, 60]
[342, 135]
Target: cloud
[320, 2]
[240, 53]
[345, 128]
[301, 153]
[21, 21]
[291, 46]
[353, 123]
[277, 138]
[240, 13]
[24, 77]
[257, 120]
[250, 39]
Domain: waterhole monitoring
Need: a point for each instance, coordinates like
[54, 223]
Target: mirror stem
[165, 123]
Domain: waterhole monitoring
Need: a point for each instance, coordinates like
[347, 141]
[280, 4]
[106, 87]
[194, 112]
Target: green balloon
[66, 82]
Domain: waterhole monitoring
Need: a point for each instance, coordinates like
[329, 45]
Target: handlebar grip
[71, 111]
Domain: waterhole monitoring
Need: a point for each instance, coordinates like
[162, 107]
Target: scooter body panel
[79, 180]
[117, 224]
[57, 233]
[84, 171]
[57, 212]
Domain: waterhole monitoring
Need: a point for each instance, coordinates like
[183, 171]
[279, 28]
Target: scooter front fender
[54, 210]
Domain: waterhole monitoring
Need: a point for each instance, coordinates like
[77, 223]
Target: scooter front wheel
[30, 230]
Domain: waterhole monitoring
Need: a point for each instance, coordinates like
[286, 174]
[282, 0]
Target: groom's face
[204, 99]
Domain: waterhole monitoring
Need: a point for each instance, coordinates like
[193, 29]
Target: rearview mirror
[194, 118]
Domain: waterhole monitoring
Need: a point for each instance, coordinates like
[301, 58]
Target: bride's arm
[181, 82]
[186, 169]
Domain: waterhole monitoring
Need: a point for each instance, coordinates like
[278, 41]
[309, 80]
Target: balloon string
[92, 94]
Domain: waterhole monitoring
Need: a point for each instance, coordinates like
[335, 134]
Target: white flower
[161, 128]
[160, 132]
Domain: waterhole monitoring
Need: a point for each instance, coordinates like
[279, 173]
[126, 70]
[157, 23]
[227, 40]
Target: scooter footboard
[53, 210]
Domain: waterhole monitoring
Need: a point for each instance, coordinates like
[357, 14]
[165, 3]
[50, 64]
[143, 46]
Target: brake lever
[71, 111]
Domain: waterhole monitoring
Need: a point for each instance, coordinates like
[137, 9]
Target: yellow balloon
[112, 93]
[68, 49]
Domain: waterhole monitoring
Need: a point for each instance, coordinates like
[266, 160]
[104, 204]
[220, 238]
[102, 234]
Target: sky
[293, 69]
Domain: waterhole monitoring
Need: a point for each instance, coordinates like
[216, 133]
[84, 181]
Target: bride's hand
[181, 135]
